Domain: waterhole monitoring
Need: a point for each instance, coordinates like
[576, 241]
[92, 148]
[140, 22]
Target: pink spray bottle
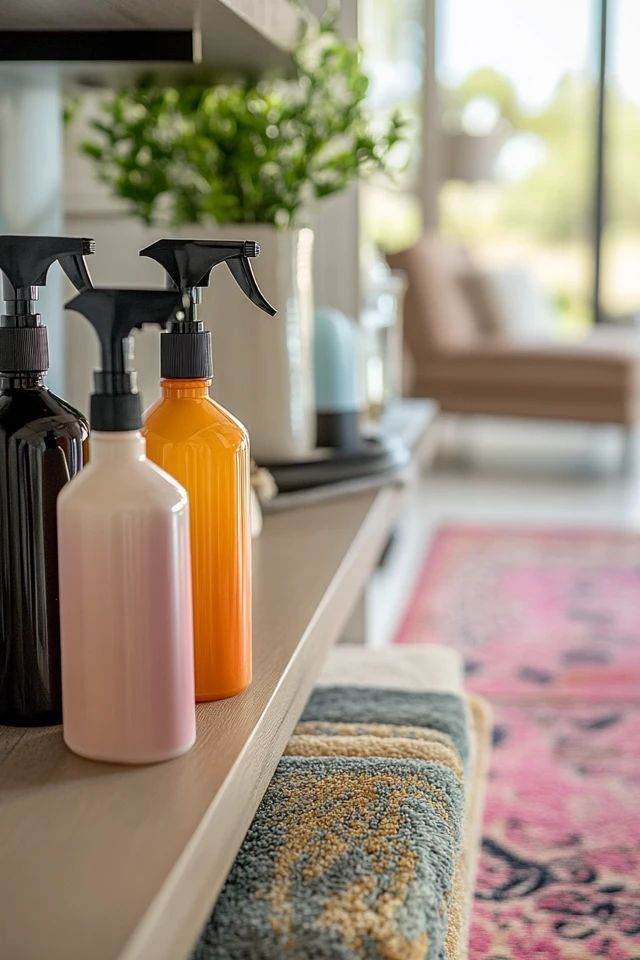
[124, 561]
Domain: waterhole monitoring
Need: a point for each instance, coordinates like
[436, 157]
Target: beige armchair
[469, 367]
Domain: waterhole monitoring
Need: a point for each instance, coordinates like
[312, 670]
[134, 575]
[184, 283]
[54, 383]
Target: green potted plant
[251, 158]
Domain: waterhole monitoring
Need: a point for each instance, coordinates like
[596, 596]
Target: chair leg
[464, 453]
[629, 451]
[456, 449]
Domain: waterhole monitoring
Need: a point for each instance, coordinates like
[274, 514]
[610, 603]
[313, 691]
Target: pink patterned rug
[549, 624]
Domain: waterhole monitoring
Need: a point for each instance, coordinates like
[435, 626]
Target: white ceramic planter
[263, 366]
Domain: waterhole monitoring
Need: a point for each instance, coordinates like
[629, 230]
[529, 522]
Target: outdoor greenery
[543, 216]
[553, 200]
[248, 151]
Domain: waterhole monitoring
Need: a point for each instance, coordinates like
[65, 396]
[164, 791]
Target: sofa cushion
[582, 366]
[437, 314]
[510, 304]
[586, 381]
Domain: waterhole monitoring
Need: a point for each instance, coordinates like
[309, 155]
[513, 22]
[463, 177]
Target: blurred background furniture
[461, 351]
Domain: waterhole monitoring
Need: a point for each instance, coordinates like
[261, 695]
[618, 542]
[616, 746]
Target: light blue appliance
[337, 349]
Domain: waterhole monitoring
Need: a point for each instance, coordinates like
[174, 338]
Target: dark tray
[326, 466]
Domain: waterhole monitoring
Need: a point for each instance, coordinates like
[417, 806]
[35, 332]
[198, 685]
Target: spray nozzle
[189, 263]
[24, 263]
[114, 314]
[185, 350]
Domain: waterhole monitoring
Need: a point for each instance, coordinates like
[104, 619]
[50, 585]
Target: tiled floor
[493, 472]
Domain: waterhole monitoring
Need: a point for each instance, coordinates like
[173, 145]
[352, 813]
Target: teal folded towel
[346, 859]
[349, 858]
[445, 712]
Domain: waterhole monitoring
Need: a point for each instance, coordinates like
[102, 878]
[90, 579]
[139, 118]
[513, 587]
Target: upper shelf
[225, 34]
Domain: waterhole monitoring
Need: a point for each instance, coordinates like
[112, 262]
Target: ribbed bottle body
[207, 451]
[41, 449]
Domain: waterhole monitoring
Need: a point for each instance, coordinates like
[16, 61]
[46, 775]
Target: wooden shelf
[226, 34]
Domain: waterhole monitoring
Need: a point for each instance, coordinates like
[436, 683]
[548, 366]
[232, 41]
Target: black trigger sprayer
[114, 314]
[185, 351]
[25, 262]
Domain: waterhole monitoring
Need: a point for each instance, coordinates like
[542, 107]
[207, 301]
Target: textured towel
[326, 728]
[427, 668]
[346, 859]
[400, 748]
[371, 733]
[389, 745]
[445, 712]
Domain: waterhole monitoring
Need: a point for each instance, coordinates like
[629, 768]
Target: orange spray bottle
[206, 449]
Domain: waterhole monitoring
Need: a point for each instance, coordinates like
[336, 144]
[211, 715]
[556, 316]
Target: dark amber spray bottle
[41, 448]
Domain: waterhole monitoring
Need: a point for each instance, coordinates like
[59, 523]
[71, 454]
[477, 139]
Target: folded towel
[389, 740]
[401, 691]
[326, 728]
[346, 859]
[426, 667]
[388, 745]
[365, 745]
[412, 666]
[446, 712]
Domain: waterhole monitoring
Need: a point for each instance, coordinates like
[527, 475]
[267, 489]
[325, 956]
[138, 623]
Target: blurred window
[392, 36]
[621, 240]
[518, 89]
